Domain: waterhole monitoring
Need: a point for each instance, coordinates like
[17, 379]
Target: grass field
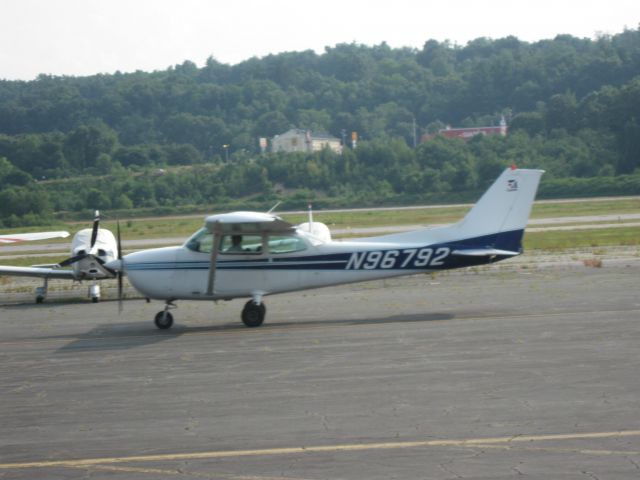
[177, 227]
[183, 227]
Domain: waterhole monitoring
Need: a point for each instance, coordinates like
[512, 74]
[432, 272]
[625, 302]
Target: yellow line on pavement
[583, 451]
[316, 449]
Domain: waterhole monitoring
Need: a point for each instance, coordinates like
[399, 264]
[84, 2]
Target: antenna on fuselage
[310, 222]
[271, 210]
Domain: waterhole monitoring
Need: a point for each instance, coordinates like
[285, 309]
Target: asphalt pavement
[498, 374]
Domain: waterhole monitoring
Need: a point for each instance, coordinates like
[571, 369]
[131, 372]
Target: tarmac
[528, 373]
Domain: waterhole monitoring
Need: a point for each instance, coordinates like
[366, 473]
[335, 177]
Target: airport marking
[495, 442]
[583, 451]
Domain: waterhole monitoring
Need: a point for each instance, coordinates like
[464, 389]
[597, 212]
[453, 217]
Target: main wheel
[163, 320]
[252, 314]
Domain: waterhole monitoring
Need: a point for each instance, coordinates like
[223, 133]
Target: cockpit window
[286, 244]
[239, 244]
[201, 241]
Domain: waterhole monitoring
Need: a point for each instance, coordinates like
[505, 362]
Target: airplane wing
[36, 272]
[247, 222]
[484, 252]
[26, 237]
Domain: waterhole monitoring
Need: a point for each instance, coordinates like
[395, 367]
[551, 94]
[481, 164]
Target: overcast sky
[84, 37]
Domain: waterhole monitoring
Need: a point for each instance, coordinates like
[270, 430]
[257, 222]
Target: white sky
[84, 37]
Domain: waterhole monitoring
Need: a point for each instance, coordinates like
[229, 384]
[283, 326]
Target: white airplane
[91, 248]
[248, 254]
[29, 237]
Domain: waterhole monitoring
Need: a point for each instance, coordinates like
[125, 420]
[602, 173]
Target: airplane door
[241, 265]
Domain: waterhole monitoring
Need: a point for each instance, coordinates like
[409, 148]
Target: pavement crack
[449, 470]
[635, 464]
[590, 474]
[325, 423]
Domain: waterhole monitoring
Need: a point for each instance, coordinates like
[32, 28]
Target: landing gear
[94, 293]
[253, 314]
[164, 319]
[41, 292]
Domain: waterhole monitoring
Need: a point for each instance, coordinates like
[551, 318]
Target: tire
[95, 299]
[253, 315]
[163, 320]
[39, 299]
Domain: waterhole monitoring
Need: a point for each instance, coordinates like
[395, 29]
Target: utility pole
[415, 142]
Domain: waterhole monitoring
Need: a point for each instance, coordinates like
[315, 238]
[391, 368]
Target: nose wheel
[253, 314]
[164, 319]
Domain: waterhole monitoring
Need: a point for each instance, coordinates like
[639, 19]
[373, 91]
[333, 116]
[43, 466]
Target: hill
[572, 107]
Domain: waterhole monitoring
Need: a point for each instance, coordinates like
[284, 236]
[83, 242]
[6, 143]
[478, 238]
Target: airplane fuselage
[181, 273]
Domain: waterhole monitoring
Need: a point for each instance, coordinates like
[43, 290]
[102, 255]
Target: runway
[499, 374]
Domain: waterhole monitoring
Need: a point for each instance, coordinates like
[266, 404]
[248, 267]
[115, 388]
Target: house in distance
[297, 140]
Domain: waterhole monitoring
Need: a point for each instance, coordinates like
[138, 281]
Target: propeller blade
[121, 269]
[96, 225]
[72, 260]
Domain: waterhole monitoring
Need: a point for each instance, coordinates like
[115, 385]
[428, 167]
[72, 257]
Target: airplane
[91, 249]
[29, 237]
[253, 255]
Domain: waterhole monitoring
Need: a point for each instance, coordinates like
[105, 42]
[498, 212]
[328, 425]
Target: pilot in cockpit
[236, 244]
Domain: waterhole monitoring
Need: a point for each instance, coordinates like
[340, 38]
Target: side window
[241, 244]
[286, 244]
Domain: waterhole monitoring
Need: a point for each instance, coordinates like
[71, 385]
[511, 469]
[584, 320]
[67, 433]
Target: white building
[297, 140]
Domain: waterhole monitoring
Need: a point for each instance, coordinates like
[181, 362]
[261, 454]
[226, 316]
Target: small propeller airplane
[91, 249]
[251, 254]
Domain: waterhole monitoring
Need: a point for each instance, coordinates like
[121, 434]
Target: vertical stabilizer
[504, 208]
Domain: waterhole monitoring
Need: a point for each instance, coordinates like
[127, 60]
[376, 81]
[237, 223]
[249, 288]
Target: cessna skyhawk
[253, 255]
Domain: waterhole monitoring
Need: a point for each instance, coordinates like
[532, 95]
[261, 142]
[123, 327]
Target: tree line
[97, 142]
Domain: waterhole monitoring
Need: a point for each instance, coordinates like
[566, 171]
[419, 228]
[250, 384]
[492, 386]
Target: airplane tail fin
[494, 226]
[503, 211]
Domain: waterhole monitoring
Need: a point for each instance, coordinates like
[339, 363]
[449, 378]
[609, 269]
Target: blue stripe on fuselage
[430, 257]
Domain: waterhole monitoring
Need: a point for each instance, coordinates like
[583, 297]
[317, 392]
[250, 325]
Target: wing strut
[212, 266]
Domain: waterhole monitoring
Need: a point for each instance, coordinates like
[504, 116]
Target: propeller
[94, 230]
[90, 253]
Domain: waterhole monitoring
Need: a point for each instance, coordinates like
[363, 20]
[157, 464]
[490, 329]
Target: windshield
[201, 241]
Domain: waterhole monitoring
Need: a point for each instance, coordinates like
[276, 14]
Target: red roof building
[468, 133]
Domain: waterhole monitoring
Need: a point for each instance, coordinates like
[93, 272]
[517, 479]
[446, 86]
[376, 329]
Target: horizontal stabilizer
[36, 272]
[484, 252]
